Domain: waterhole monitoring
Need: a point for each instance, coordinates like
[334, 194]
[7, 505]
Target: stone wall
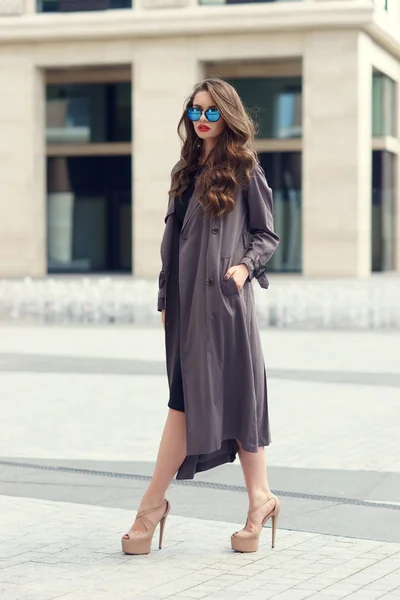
[11, 7]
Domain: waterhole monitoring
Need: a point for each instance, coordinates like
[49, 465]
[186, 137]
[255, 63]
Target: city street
[82, 410]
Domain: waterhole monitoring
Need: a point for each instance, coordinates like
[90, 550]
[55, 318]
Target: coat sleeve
[261, 225]
[161, 277]
[161, 292]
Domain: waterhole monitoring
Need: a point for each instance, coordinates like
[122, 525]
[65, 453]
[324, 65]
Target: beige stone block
[11, 7]
[70, 53]
[154, 165]
[250, 46]
[337, 156]
[22, 240]
[158, 97]
[149, 4]
[175, 62]
[151, 195]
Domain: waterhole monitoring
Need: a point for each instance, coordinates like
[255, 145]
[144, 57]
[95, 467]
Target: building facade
[92, 91]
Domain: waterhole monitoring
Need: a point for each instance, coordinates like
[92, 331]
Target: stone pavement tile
[212, 586]
[226, 566]
[391, 562]
[230, 579]
[323, 596]
[248, 569]
[281, 586]
[317, 584]
[76, 570]
[255, 595]
[91, 595]
[45, 591]
[247, 585]
[298, 576]
[363, 578]
[293, 595]
[262, 571]
[210, 573]
[364, 594]
[15, 593]
[193, 594]
[314, 570]
[332, 591]
[387, 583]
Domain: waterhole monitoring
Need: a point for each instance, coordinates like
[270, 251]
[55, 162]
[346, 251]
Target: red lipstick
[203, 128]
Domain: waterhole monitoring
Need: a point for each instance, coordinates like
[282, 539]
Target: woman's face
[206, 130]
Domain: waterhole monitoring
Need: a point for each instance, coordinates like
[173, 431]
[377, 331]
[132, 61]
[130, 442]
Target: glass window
[274, 103]
[382, 3]
[384, 95]
[89, 214]
[47, 6]
[283, 172]
[83, 114]
[384, 184]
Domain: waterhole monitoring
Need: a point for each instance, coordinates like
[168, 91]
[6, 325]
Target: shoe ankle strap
[150, 510]
[261, 505]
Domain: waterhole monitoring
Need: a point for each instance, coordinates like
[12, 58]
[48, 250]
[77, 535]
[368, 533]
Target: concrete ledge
[290, 302]
[190, 20]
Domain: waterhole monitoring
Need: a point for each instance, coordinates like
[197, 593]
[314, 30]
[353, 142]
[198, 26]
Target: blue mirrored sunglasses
[212, 114]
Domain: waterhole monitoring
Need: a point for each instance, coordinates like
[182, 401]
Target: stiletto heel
[162, 525]
[248, 541]
[139, 542]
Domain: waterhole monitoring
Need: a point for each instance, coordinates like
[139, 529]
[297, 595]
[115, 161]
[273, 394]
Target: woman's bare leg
[255, 475]
[171, 454]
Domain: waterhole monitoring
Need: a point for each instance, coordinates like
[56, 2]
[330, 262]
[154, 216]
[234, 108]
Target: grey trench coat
[222, 363]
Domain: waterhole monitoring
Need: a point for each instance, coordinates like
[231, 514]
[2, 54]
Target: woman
[218, 237]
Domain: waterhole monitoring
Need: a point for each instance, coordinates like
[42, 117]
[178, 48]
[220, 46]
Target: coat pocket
[228, 286]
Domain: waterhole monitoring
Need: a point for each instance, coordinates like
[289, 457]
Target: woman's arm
[261, 224]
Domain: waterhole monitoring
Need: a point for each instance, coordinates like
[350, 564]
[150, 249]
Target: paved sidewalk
[100, 415]
[82, 410]
[52, 550]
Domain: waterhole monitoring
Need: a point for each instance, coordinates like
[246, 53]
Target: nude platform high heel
[139, 542]
[247, 541]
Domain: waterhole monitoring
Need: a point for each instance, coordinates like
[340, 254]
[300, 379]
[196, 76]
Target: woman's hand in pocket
[239, 273]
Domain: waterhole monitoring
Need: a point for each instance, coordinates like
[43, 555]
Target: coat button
[210, 281]
[215, 230]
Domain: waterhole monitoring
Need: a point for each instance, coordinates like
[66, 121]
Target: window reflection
[383, 106]
[48, 6]
[274, 103]
[83, 114]
[89, 214]
[383, 210]
[283, 171]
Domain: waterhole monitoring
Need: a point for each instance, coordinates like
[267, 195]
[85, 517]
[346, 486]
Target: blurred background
[92, 91]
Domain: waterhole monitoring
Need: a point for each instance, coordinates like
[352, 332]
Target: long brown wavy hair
[232, 159]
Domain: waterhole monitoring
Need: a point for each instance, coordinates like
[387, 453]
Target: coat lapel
[192, 207]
